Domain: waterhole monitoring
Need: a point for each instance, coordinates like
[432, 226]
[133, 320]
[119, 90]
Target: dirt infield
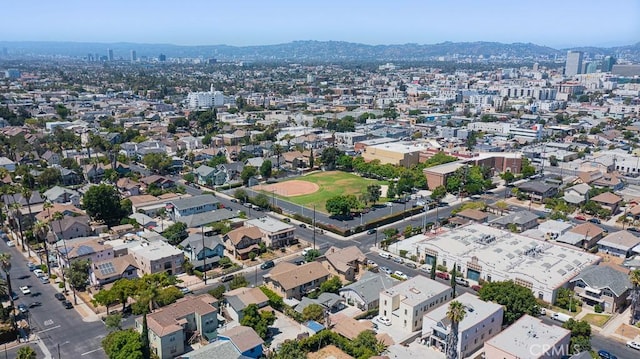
[290, 188]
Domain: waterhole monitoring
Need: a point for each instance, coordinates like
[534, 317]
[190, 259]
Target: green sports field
[332, 183]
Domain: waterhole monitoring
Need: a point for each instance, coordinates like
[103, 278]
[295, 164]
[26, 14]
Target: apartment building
[187, 206]
[158, 256]
[291, 281]
[482, 321]
[275, 233]
[406, 303]
[177, 325]
[529, 338]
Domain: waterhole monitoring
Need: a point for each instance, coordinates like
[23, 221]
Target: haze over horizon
[557, 24]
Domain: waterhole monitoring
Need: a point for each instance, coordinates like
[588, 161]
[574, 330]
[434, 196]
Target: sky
[557, 23]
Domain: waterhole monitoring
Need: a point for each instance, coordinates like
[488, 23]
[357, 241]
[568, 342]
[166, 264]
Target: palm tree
[277, 150]
[17, 219]
[58, 217]
[634, 277]
[455, 314]
[5, 265]
[40, 230]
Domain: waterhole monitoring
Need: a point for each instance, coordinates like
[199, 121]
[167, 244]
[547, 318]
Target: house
[238, 299]
[64, 209]
[205, 175]
[620, 243]
[275, 233]
[603, 285]
[69, 227]
[128, 186]
[110, 270]
[576, 194]
[92, 249]
[241, 241]
[538, 191]
[522, 221]
[291, 281]
[59, 194]
[406, 303]
[473, 215]
[530, 338]
[51, 158]
[201, 219]
[348, 327]
[93, 172]
[329, 302]
[173, 327]
[157, 257]
[482, 321]
[245, 339]
[158, 181]
[7, 164]
[608, 200]
[584, 235]
[203, 251]
[219, 349]
[185, 206]
[230, 172]
[365, 293]
[346, 263]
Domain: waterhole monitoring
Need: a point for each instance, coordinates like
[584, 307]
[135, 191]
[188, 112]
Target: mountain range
[302, 51]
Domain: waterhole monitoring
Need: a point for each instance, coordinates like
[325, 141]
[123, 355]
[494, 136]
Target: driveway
[287, 329]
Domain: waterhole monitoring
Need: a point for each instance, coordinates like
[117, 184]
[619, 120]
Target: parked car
[302, 225]
[31, 266]
[11, 244]
[38, 273]
[398, 260]
[385, 255]
[44, 279]
[634, 345]
[595, 220]
[442, 275]
[461, 281]
[233, 200]
[425, 268]
[299, 262]
[185, 290]
[371, 231]
[411, 265]
[226, 278]
[371, 263]
[267, 265]
[400, 275]
[384, 320]
[60, 296]
[67, 304]
[25, 290]
[385, 270]
[22, 308]
[476, 287]
[580, 217]
[606, 355]
[633, 229]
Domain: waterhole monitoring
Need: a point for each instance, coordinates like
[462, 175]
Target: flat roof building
[491, 254]
[403, 154]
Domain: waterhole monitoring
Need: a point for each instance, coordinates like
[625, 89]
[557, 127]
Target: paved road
[54, 324]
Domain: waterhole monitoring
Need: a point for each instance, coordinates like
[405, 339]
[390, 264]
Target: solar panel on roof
[106, 268]
[84, 250]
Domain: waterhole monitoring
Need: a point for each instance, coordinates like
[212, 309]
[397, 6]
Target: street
[57, 327]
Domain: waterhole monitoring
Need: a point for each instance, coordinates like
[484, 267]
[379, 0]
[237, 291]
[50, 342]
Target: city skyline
[554, 24]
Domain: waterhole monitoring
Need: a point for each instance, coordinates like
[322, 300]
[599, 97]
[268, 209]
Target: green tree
[241, 195]
[553, 161]
[26, 352]
[517, 300]
[331, 285]
[62, 111]
[438, 193]
[508, 177]
[157, 162]
[453, 280]
[329, 157]
[266, 169]
[189, 178]
[313, 312]
[247, 173]
[634, 278]
[261, 200]
[312, 160]
[527, 169]
[175, 233]
[259, 321]
[391, 190]
[78, 274]
[434, 269]
[311, 255]
[113, 321]
[455, 314]
[144, 339]
[580, 335]
[106, 298]
[50, 177]
[218, 292]
[238, 281]
[341, 205]
[275, 301]
[102, 203]
[374, 192]
[123, 344]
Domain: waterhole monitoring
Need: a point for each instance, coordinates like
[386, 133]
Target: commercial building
[482, 321]
[438, 175]
[490, 254]
[396, 153]
[529, 338]
[573, 65]
[406, 303]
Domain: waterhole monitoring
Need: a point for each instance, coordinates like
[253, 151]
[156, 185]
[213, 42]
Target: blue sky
[558, 23]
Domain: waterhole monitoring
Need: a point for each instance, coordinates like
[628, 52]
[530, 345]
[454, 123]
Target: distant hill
[309, 50]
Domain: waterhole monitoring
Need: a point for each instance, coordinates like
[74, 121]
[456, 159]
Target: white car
[25, 290]
[11, 244]
[38, 272]
[384, 320]
[633, 344]
[400, 275]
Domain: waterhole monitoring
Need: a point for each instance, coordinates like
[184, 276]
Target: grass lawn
[598, 320]
[331, 184]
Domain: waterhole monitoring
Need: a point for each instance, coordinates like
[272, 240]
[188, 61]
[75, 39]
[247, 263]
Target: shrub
[53, 276]
[598, 308]
[61, 285]
[403, 253]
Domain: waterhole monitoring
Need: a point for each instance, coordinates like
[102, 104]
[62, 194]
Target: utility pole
[204, 258]
[314, 226]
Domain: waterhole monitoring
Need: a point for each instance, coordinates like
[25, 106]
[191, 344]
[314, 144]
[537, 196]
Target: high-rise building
[591, 67]
[134, 58]
[110, 54]
[607, 63]
[573, 65]
[162, 57]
